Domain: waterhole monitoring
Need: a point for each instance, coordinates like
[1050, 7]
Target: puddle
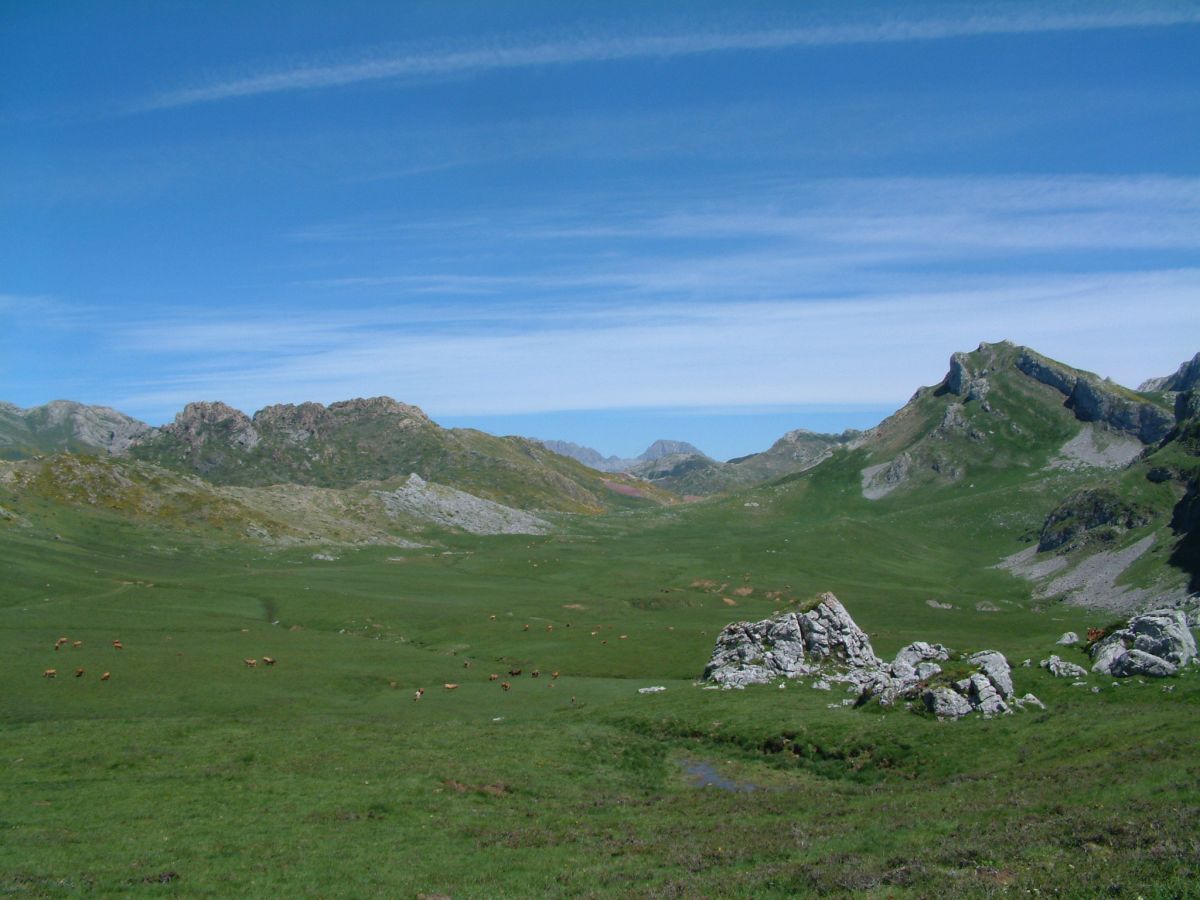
[704, 774]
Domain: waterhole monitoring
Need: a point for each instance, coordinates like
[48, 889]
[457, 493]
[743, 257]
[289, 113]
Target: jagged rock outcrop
[826, 643]
[1094, 400]
[1060, 668]
[1185, 378]
[452, 508]
[1156, 644]
[789, 645]
[1090, 515]
[204, 422]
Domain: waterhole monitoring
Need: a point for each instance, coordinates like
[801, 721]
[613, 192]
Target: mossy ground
[190, 773]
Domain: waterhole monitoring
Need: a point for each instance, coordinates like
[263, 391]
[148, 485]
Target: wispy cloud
[412, 64]
[822, 350]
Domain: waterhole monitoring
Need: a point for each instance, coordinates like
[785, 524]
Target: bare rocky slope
[64, 425]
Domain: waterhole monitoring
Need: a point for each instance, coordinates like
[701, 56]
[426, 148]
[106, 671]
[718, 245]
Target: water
[704, 774]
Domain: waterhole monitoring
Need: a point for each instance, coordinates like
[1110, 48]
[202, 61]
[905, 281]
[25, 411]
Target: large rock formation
[1156, 644]
[826, 643]
[1185, 378]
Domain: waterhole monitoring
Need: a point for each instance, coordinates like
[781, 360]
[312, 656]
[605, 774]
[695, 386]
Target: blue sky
[600, 222]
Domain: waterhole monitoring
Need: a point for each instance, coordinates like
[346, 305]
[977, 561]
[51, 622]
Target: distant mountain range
[1110, 469]
[682, 468]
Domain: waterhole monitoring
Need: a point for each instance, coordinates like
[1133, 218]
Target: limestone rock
[1060, 668]
[1156, 644]
[788, 645]
[1068, 639]
[993, 664]
[946, 703]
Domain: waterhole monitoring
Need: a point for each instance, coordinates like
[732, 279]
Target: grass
[189, 773]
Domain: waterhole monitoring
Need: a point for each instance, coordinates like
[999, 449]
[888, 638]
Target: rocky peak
[201, 421]
[662, 448]
[1185, 378]
[370, 407]
[65, 424]
[295, 423]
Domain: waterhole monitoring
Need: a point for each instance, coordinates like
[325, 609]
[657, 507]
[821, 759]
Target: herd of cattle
[79, 670]
[270, 661]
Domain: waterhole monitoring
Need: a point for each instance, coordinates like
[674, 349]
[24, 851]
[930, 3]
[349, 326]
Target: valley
[322, 773]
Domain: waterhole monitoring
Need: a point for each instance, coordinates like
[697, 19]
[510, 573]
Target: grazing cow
[393, 684]
[79, 672]
[535, 674]
[420, 692]
[553, 674]
[624, 637]
[493, 618]
[549, 684]
[417, 695]
[118, 645]
[466, 664]
[106, 676]
[503, 684]
[59, 642]
[250, 663]
[514, 672]
[493, 677]
[50, 673]
[525, 628]
[450, 686]
[549, 627]
[78, 645]
[1094, 634]
[268, 660]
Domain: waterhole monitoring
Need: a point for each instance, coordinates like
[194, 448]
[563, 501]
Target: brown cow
[514, 672]
[525, 628]
[78, 645]
[268, 660]
[50, 673]
[553, 674]
[549, 627]
[106, 676]
[503, 684]
[535, 674]
[417, 695]
[118, 645]
[79, 672]
[450, 686]
[466, 664]
[250, 663]
[493, 677]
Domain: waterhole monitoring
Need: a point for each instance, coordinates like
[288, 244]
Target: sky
[600, 222]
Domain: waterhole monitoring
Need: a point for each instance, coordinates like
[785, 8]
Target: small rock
[1068, 639]
[654, 689]
[1060, 668]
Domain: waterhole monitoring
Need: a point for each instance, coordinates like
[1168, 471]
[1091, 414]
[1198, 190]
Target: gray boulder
[1068, 639]
[918, 656]
[1060, 668]
[1157, 644]
[946, 703]
[993, 664]
[790, 645]
[1138, 662]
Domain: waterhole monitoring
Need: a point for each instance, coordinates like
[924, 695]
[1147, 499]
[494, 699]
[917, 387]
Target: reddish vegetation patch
[627, 490]
[573, 606]
[692, 498]
[743, 592]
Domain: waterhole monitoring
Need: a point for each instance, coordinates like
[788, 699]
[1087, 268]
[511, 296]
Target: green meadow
[190, 773]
